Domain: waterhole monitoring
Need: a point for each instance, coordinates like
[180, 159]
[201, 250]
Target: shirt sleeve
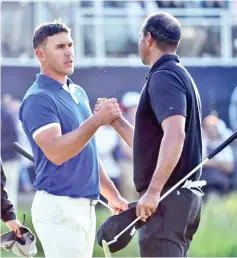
[38, 111]
[167, 96]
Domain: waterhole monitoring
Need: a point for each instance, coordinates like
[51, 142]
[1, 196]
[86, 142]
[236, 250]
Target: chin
[144, 61]
[70, 71]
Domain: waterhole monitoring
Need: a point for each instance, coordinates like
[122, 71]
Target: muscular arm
[170, 152]
[59, 148]
[124, 129]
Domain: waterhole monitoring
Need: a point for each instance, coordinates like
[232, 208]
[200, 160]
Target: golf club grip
[223, 145]
[17, 147]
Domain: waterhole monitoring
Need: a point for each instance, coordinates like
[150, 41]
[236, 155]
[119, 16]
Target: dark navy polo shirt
[46, 103]
[169, 91]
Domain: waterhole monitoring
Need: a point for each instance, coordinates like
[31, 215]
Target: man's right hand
[108, 111]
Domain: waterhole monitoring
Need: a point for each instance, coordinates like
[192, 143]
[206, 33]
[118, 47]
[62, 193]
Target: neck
[53, 75]
[156, 55]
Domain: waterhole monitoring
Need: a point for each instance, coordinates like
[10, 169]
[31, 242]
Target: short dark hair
[165, 29]
[46, 30]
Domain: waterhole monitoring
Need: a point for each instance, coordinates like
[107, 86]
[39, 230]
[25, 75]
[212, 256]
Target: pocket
[46, 208]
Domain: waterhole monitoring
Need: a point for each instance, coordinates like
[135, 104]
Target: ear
[40, 54]
[149, 39]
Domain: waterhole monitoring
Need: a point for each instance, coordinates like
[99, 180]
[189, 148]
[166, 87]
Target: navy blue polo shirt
[169, 91]
[47, 103]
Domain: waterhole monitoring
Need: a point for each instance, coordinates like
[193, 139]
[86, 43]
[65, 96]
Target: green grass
[216, 237]
[217, 234]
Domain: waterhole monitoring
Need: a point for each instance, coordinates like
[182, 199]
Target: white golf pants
[65, 226]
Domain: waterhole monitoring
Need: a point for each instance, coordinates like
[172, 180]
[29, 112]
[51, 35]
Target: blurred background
[108, 65]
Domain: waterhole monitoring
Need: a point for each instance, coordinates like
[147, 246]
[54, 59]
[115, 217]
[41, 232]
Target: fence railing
[107, 36]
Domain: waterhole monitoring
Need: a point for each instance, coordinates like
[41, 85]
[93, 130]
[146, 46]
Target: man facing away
[57, 120]
[166, 142]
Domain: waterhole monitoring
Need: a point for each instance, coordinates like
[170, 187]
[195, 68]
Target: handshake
[107, 110]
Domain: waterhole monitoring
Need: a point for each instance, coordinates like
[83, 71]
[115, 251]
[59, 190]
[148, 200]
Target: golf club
[211, 155]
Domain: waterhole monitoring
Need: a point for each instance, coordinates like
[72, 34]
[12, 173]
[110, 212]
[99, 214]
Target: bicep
[38, 112]
[167, 96]
[174, 125]
[44, 138]
[39, 117]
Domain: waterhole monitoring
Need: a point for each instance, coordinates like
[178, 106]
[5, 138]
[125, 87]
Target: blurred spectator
[106, 139]
[86, 3]
[26, 166]
[9, 156]
[213, 4]
[211, 44]
[170, 4]
[129, 105]
[114, 4]
[216, 171]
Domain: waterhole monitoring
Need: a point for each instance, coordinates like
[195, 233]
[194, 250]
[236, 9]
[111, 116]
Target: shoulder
[165, 79]
[36, 98]
[37, 93]
[165, 75]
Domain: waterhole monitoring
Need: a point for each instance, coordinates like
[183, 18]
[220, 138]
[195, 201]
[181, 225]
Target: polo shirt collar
[162, 60]
[44, 79]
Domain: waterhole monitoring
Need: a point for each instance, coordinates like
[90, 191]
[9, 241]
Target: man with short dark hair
[58, 122]
[166, 143]
[168, 125]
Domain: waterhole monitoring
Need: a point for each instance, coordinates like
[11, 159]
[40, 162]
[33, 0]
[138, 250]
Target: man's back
[169, 91]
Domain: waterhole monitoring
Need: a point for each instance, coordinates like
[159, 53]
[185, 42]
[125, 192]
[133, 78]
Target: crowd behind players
[117, 157]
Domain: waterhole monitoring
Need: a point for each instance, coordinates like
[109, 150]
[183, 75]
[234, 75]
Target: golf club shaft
[17, 147]
[211, 155]
[161, 198]
[105, 205]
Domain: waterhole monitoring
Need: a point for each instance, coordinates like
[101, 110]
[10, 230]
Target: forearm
[124, 129]
[107, 187]
[66, 146]
[126, 149]
[170, 151]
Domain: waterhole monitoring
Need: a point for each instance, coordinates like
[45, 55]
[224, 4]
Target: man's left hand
[118, 204]
[147, 206]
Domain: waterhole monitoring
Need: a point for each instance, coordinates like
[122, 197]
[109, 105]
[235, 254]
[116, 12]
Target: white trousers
[65, 226]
